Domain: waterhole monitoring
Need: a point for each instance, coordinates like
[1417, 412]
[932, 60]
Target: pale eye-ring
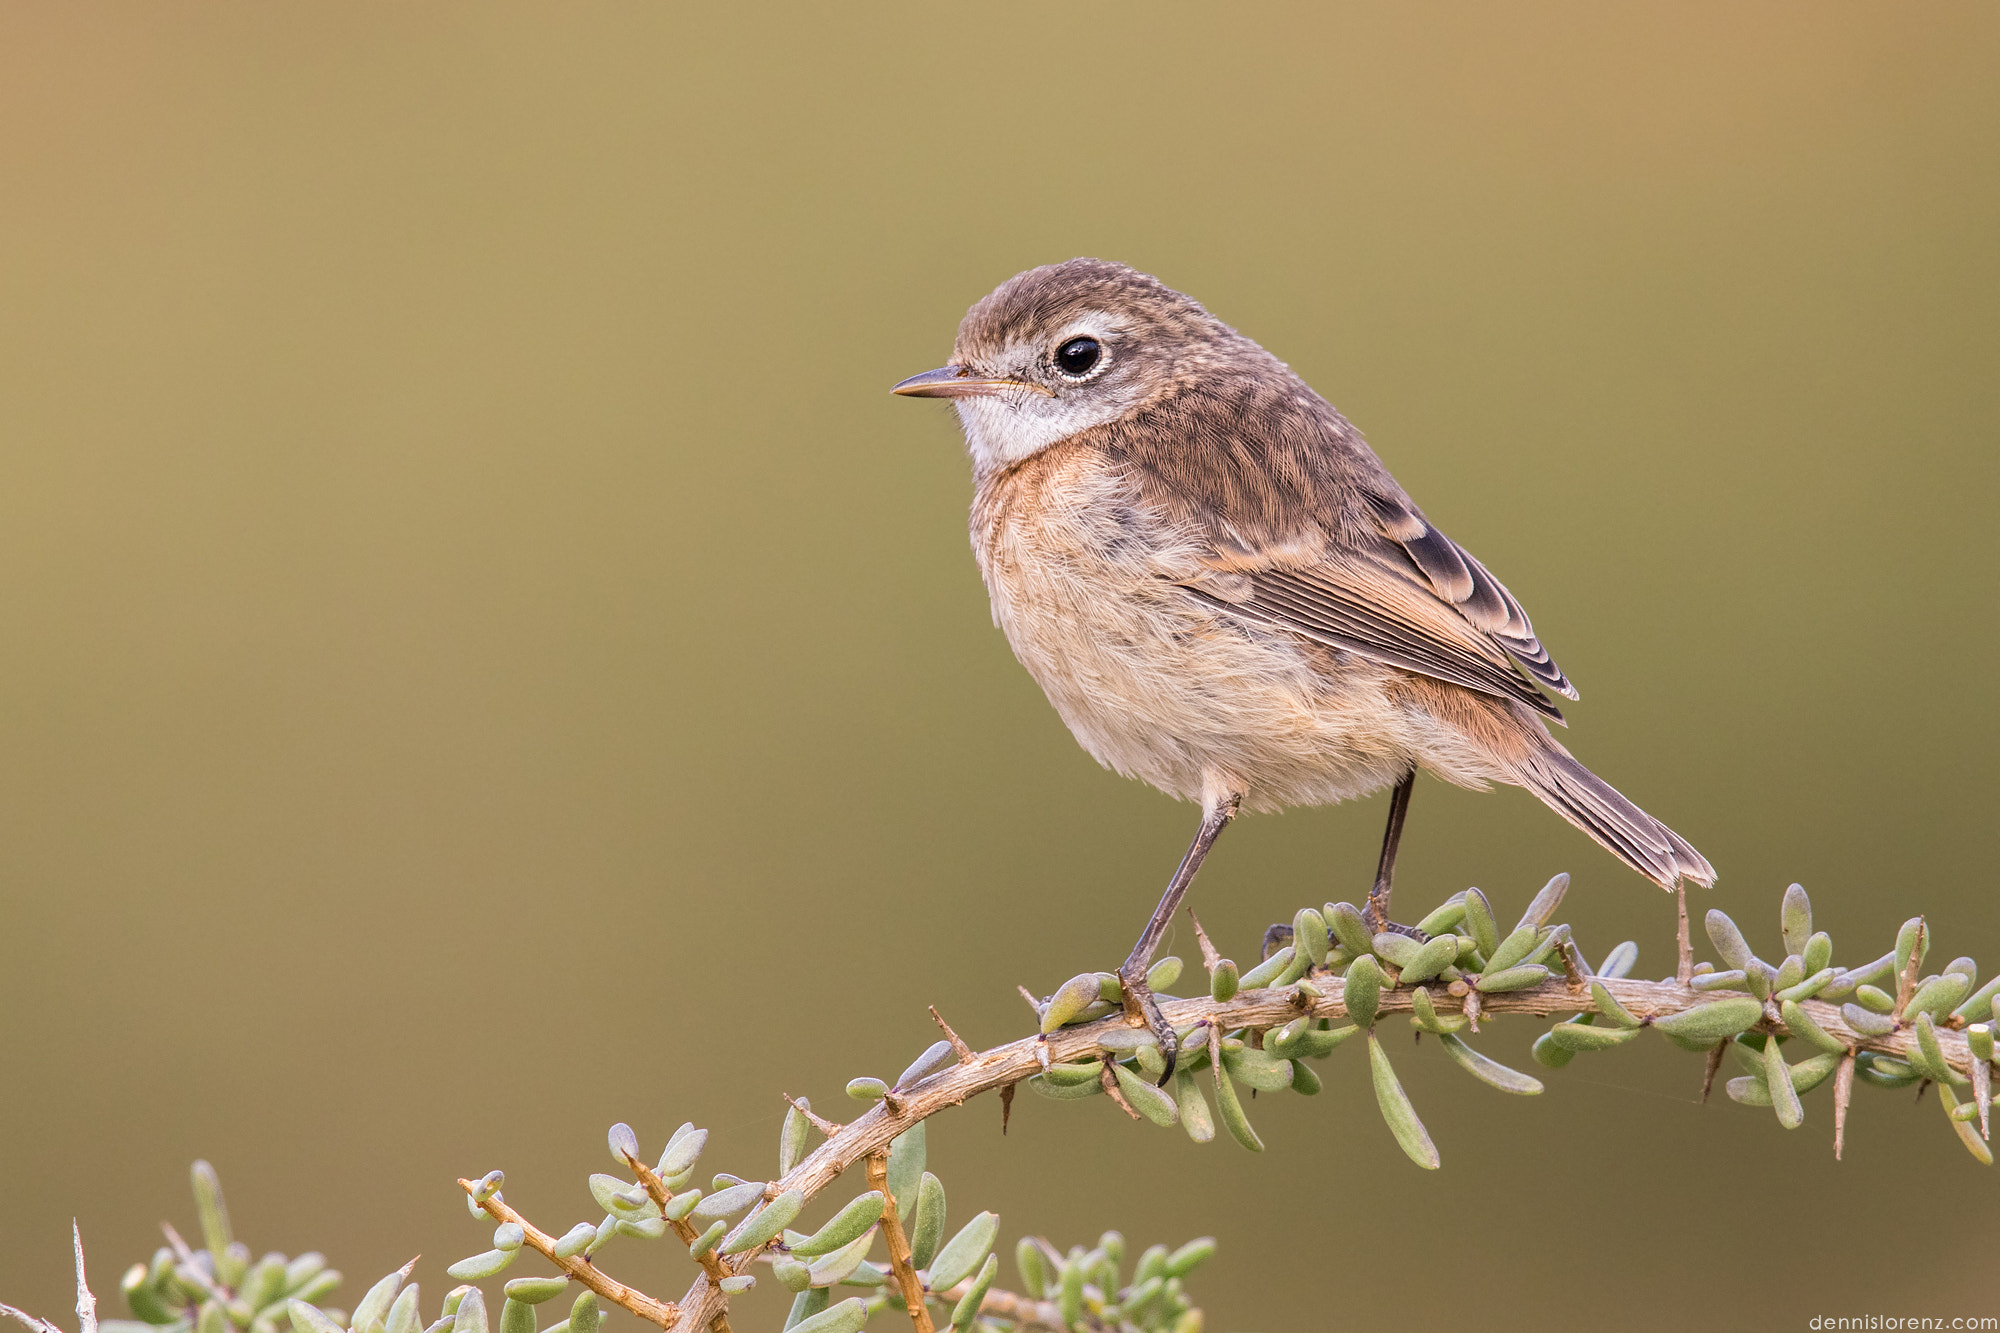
[1079, 356]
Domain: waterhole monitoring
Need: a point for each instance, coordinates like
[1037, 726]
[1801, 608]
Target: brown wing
[1302, 527]
[1456, 577]
[1380, 615]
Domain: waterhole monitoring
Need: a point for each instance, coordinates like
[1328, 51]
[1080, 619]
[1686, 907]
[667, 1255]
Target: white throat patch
[1020, 423]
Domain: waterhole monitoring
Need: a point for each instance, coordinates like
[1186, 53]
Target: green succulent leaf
[861, 1213]
[1147, 1100]
[1231, 1111]
[1715, 1020]
[968, 1305]
[1489, 1071]
[1409, 1131]
[764, 1224]
[846, 1317]
[964, 1252]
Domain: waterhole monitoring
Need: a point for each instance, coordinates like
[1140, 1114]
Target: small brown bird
[1223, 591]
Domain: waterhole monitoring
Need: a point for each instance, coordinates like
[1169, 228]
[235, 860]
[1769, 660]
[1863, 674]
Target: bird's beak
[960, 382]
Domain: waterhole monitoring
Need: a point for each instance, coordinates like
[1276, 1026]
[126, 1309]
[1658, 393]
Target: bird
[1224, 593]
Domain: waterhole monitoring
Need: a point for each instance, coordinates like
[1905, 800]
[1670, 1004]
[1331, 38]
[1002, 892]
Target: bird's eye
[1079, 356]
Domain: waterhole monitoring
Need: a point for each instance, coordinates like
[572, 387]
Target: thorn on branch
[179, 1246]
[1906, 984]
[957, 1042]
[1209, 956]
[1006, 1108]
[823, 1125]
[86, 1303]
[1714, 1064]
[1573, 968]
[1112, 1090]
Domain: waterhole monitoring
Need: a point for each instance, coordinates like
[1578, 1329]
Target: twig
[86, 1304]
[1843, 1093]
[38, 1325]
[899, 1246]
[957, 1042]
[711, 1262]
[1684, 969]
[664, 1313]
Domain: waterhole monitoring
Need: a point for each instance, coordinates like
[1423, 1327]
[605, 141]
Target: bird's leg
[1139, 1001]
[1377, 910]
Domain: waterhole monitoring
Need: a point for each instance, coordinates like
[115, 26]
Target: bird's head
[1060, 349]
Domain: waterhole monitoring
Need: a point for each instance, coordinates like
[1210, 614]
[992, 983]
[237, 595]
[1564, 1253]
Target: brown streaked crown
[1149, 316]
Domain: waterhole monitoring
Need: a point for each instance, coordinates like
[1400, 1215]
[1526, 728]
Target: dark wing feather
[1457, 577]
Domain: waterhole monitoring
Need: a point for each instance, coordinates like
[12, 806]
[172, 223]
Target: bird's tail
[1596, 807]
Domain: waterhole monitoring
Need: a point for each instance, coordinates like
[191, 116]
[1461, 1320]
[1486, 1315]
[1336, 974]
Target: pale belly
[1159, 685]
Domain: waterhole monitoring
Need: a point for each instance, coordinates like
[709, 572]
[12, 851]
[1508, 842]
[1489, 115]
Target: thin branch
[664, 1313]
[1003, 1066]
[1684, 968]
[1266, 1008]
[711, 1262]
[38, 1325]
[899, 1246]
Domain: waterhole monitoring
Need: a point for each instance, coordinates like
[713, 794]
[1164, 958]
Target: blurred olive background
[486, 656]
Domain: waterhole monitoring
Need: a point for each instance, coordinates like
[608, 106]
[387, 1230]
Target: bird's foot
[1141, 1004]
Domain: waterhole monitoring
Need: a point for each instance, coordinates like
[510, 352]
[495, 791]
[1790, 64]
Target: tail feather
[1620, 827]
